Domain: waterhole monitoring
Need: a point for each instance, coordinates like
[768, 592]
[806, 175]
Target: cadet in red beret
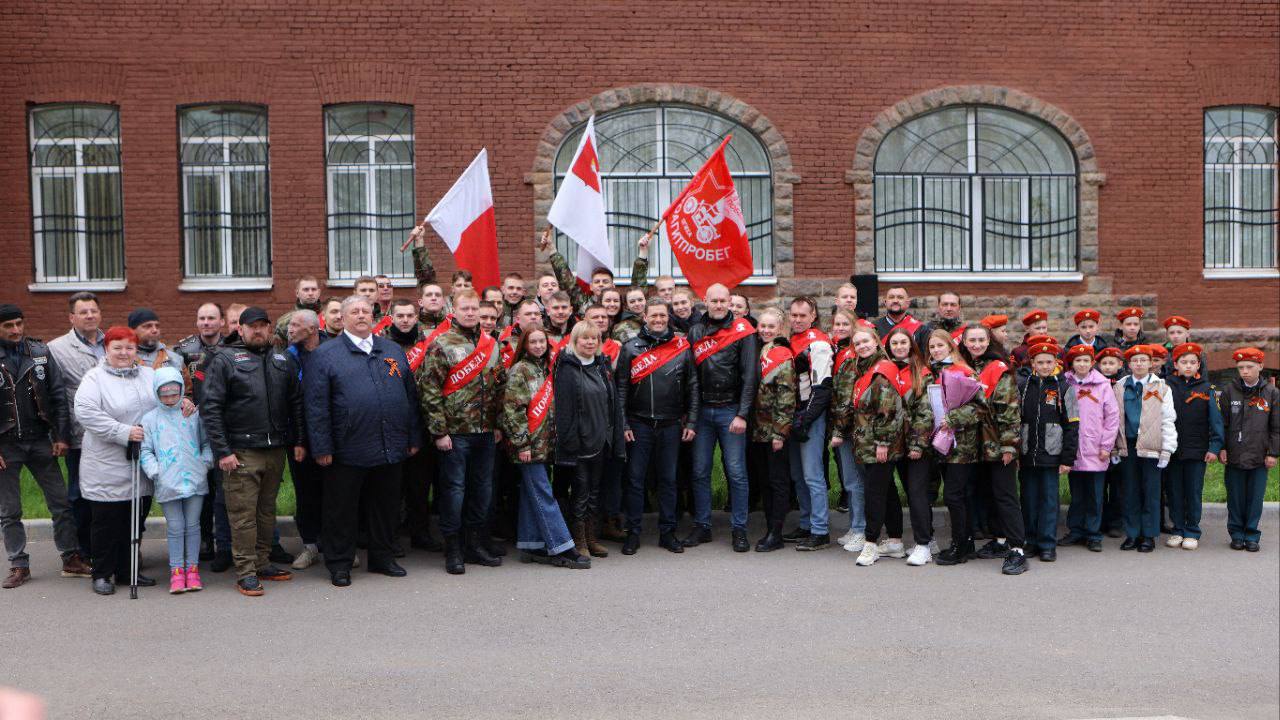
[1199, 426]
[1099, 423]
[1251, 410]
[998, 325]
[1050, 423]
[1130, 331]
[1147, 419]
[1087, 326]
[1036, 323]
[1177, 330]
[1109, 362]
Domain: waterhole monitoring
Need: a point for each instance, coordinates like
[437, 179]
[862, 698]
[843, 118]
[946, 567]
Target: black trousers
[955, 493]
[1006, 511]
[584, 487]
[109, 540]
[345, 486]
[308, 490]
[776, 498]
[417, 478]
[876, 479]
[1113, 503]
[916, 476]
[504, 504]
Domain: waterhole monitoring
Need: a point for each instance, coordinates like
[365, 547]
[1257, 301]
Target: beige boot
[578, 530]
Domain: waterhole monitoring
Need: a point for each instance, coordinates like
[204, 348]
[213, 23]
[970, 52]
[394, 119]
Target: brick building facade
[819, 87]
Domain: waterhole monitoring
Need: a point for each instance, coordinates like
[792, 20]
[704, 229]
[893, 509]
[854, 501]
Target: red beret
[1089, 314]
[1159, 352]
[1137, 350]
[1186, 348]
[1176, 320]
[1109, 352]
[1251, 354]
[119, 332]
[1129, 312]
[992, 322]
[1079, 351]
[1041, 340]
[1043, 348]
[1035, 316]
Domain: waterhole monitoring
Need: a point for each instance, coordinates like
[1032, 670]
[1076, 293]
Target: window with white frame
[975, 189]
[226, 205]
[647, 155]
[76, 196]
[369, 179]
[1240, 188]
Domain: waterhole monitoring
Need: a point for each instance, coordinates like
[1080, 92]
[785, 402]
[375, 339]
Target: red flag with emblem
[578, 210]
[706, 230]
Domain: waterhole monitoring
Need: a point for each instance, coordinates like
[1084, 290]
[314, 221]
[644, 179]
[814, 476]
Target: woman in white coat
[110, 404]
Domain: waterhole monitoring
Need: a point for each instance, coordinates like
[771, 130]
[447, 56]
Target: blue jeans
[1040, 506]
[855, 484]
[712, 427]
[810, 479]
[182, 529]
[466, 473]
[1141, 494]
[660, 445]
[1186, 496]
[1245, 489]
[539, 524]
[1084, 514]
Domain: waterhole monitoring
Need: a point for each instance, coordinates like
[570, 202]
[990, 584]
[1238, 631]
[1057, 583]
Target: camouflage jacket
[626, 328]
[579, 299]
[966, 421]
[281, 337]
[423, 271]
[919, 419]
[472, 408]
[1001, 416]
[523, 381]
[775, 404]
[874, 419]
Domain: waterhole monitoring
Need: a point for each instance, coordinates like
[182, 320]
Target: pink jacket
[1099, 420]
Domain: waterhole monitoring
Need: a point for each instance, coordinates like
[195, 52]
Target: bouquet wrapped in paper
[953, 389]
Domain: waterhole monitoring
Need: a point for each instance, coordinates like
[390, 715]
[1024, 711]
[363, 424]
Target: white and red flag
[464, 220]
[706, 230]
[578, 210]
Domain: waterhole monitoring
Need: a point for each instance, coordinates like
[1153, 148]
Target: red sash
[904, 380]
[418, 352]
[775, 358]
[801, 341]
[883, 368]
[991, 375]
[557, 346]
[958, 332]
[322, 322]
[508, 354]
[841, 357]
[611, 348]
[642, 366]
[505, 334]
[469, 369]
[383, 324]
[721, 339]
[908, 323]
[539, 405]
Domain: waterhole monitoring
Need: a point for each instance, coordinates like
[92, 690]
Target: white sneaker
[892, 548]
[856, 543]
[1173, 541]
[308, 557]
[920, 555]
[1190, 543]
[845, 538]
[933, 547]
[869, 555]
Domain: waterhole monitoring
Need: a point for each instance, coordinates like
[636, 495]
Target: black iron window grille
[226, 199]
[369, 180]
[975, 189]
[647, 155]
[76, 195]
[1240, 188]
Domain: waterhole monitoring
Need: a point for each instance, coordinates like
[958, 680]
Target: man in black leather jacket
[658, 393]
[727, 361]
[252, 411]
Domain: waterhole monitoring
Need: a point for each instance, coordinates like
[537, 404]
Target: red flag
[464, 220]
[706, 229]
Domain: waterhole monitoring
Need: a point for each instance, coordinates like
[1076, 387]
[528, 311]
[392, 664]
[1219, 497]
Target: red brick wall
[1136, 76]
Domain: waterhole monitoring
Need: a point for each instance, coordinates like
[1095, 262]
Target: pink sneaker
[193, 579]
[177, 582]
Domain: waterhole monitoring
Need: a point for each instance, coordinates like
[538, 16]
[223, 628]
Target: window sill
[980, 277]
[351, 282]
[73, 287]
[224, 284]
[754, 280]
[1240, 273]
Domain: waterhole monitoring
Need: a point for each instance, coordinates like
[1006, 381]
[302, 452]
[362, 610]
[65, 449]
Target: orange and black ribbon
[393, 367]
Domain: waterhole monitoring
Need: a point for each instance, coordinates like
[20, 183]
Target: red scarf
[908, 323]
[991, 375]
[539, 405]
[642, 366]
[721, 339]
[883, 368]
[801, 341]
[470, 367]
[905, 380]
[418, 352]
[773, 359]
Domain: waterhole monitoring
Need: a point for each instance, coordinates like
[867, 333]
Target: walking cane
[135, 522]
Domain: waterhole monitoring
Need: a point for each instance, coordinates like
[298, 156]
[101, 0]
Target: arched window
[647, 155]
[369, 179]
[226, 201]
[76, 200]
[1240, 188]
[975, 189]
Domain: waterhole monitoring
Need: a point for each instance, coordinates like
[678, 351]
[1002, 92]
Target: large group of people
[555, 421]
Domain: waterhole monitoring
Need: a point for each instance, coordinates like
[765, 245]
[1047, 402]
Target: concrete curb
[42, 529]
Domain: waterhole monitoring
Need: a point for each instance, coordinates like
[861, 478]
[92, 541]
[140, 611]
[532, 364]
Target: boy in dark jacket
[1050, 425]
[1199, 426]
[1251, 410]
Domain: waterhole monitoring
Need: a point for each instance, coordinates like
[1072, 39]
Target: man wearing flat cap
[252, 414]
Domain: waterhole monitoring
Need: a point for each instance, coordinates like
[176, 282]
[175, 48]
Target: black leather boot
[476, 552]
[453, 563]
